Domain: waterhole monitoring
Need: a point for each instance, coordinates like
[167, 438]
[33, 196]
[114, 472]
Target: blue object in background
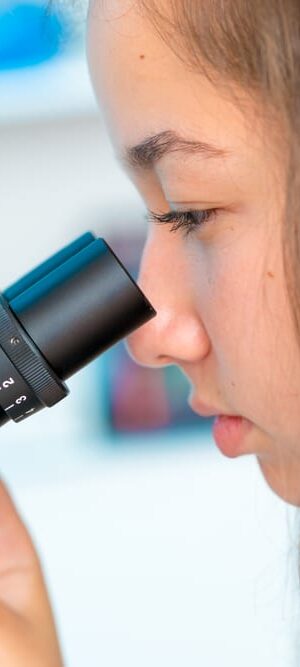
[29, 35]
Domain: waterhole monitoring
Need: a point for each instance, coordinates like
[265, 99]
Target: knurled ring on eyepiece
[29, 361]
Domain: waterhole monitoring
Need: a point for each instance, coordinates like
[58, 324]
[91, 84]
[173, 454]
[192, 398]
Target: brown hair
[254, 46]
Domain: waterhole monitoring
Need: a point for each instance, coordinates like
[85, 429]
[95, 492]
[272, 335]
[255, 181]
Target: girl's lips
[229, 431]
[229, 434]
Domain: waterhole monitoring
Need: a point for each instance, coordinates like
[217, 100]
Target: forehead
[145, 89]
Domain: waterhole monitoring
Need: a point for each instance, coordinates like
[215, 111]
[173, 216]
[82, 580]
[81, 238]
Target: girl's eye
[189, 221]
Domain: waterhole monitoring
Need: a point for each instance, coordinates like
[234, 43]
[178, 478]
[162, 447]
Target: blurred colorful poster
[144, 399]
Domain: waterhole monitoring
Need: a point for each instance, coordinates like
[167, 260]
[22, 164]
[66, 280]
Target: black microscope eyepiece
[58, 318]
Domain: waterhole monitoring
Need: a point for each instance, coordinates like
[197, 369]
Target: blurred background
[156, 549]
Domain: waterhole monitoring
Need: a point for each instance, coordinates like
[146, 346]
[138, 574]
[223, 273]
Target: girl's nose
[176, 334]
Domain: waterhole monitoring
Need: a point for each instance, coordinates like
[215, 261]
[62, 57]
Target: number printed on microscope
[7, 383]
[20, 399]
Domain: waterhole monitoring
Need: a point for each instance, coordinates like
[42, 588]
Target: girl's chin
[282, 478]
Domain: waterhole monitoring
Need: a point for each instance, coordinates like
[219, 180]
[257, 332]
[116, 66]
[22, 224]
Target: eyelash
[189, 221]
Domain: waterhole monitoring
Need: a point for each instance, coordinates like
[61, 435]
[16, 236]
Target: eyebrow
[149, 151]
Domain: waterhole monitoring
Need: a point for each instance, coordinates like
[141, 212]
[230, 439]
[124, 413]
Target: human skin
[27, 629]
[223, 313]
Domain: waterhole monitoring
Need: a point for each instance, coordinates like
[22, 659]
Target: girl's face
[223, 314]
